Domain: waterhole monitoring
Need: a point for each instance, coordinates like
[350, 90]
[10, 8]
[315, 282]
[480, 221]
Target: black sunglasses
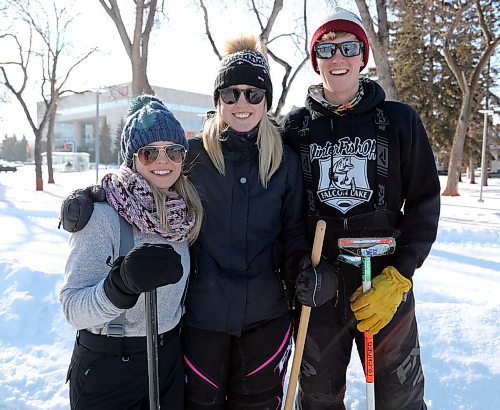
[149, 154]
[231, 95]
[347, 48]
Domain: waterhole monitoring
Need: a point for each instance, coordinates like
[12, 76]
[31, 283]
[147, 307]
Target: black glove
[77, 208]
[315, 286]
[144, 268]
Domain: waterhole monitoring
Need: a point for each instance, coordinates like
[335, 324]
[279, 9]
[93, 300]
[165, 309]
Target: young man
[368, 171]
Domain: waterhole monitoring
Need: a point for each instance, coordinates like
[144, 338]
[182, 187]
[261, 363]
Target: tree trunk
[38, 161]
[384, 72]
[468, 87]
[140, 82]
[472, 168]
[137, 45]
[379, 43]
[50, 133]
[457, 148]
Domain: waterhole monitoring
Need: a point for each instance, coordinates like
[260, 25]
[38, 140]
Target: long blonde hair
[268, 137]
[188, 192]
[268, 142]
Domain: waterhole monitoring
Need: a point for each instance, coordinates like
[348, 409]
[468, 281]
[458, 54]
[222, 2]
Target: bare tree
[22, 64]
[136, 46]
[266, 25]
[51, 88]
[53, 49]
[379, 43]
[468, 80]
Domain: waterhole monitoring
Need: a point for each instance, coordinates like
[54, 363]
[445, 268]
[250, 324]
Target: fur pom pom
[240, 43]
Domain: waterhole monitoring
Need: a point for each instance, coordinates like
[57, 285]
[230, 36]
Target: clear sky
[180, 54]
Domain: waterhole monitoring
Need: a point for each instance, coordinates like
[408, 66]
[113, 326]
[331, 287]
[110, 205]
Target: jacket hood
[316, 102]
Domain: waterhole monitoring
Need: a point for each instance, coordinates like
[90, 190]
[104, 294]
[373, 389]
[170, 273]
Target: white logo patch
[343, 182]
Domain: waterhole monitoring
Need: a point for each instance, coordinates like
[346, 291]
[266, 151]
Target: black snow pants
[399, 380]
[112, 373]
[230, 372]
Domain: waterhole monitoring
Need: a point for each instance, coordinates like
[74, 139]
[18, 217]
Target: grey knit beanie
[148, 121]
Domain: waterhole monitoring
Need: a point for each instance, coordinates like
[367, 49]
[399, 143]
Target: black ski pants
[230, 372]
[112, 373]
[399, 380]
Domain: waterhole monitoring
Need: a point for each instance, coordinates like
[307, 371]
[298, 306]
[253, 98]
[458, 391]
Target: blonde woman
[149, 191]
[237, 329]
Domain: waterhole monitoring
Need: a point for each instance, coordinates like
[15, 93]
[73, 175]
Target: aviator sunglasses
[231, 95]
[347, 48]
[149, 154]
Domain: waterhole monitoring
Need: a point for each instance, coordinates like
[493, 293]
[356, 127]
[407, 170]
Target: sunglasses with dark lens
[347, 48]
[231, 95]
[149, 154]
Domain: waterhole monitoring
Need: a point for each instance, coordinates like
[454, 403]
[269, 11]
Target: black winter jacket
[343, 158]
[248, 232]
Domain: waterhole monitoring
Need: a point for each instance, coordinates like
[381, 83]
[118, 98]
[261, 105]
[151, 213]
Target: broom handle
[319, 235]
[369, 348]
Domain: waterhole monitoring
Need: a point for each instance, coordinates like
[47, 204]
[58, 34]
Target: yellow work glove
[375, 308]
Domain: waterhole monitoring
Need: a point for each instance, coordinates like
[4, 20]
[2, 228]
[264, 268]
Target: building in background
[77, 113]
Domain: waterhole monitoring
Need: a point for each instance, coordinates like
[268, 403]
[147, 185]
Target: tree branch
[448, 56]
[366, 18]
[114, 12]
[257, 15]
[277, 7]
[81, 60]
[207, 30]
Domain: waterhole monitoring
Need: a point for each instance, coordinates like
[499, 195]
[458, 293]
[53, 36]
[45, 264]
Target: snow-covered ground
[457, 292]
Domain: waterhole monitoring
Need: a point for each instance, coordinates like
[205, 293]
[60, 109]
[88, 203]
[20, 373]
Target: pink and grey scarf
[130, 194]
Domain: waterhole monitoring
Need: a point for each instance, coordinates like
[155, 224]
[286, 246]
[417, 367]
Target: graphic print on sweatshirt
[343, 182]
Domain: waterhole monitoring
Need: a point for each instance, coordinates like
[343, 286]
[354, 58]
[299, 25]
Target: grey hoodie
[82, 296]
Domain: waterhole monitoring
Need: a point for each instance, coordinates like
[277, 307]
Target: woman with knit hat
[237, 327]
[103, 291]
[369, 171]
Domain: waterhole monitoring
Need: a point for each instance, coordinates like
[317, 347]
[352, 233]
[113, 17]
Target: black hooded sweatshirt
[343, 152]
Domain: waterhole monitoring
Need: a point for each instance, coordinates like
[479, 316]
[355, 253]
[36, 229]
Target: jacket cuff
[405, 263]
[297, 263]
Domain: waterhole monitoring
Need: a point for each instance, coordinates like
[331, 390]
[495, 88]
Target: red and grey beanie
[341, 20]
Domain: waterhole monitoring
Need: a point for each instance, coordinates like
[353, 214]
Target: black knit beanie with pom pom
[244, 64]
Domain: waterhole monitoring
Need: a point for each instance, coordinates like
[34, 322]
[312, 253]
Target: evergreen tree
[23, 149]
[105, 144]
[116, 153]
[420, 73]
[423, 77]
[13, 150]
